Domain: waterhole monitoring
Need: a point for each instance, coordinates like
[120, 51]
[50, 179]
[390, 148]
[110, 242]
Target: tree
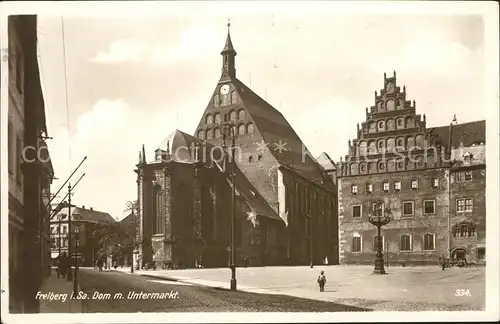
[112, 238]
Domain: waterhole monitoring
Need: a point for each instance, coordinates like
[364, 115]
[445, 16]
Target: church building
[285, 200]
[431, 180]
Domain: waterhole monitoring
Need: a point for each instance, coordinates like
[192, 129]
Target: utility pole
[228, 131]
[70, 274]
[77, 243]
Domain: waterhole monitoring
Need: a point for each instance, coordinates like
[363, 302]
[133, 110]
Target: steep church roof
[275, 129]
[180, 146]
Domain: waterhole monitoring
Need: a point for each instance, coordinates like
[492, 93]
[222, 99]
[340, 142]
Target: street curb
[161, 277]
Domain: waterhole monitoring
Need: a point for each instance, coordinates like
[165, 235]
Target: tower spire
[228, 55]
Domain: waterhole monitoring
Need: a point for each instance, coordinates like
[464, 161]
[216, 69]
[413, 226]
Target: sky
[132, 81]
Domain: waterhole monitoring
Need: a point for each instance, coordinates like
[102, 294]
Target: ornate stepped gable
[260, 128]
[393, 137]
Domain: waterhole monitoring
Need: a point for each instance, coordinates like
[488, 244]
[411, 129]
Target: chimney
[83, 206]
[91, 209]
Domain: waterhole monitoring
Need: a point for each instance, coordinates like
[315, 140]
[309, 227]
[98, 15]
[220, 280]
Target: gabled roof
[91, 215]
[466, 133]
[275, 129]
[326, 162]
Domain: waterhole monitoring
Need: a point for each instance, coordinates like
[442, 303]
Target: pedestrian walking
[443, 263]
[58, 269]
[322, 281]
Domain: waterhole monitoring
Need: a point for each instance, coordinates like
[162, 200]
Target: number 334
[462, 292]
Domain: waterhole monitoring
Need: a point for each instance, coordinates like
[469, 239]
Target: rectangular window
[429, 241]
[468, 204]
[464, 205]
[354, 189]
[385, 186]
[429, 207]
[468, 176]
[356, 211]
[375, 243]
[64, 229]
[408, 208]
[356, 244]
[397, 185]
[414, 184]
[435, 182]
[369, 188]
[405, 243]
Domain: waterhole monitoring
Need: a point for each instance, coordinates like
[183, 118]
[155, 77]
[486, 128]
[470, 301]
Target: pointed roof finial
[228, 48]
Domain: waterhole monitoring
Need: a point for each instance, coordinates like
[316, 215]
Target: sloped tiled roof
[274, 128]
[92, 215]
[326, 162]
[466, 133]
[244, 188]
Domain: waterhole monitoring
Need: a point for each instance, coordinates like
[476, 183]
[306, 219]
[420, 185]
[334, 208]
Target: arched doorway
[459, 254]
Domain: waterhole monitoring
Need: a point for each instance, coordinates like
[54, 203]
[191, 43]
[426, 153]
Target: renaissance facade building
[432, 182]
[285, 200]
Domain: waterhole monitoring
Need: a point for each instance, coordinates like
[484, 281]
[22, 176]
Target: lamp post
[77, 245]
[70, 255]
[131, 206]
[229, 136]
[379, 217]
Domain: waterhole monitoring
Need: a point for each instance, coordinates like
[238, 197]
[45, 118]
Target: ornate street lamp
[131, 206]
[228, 132]
[380, 216]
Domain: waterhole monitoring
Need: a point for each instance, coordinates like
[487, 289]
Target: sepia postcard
[249, 161]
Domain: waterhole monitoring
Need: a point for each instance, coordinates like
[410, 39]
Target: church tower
[228, 59]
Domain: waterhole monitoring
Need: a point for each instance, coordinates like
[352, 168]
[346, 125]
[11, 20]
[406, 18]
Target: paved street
[185, 297]
[404, 289]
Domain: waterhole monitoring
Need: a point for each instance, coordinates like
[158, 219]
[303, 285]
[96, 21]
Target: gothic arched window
[157, 204]
[201, 134]
[208, 134]
[233, 116]
[217, 118]
[209, 119]
[234, 98]
[241, 114]
[381, 126]
[250, 128]
[217, 132]
[241, 129]
[216, 100]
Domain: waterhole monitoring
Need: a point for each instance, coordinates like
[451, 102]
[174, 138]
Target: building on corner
[432, 180]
